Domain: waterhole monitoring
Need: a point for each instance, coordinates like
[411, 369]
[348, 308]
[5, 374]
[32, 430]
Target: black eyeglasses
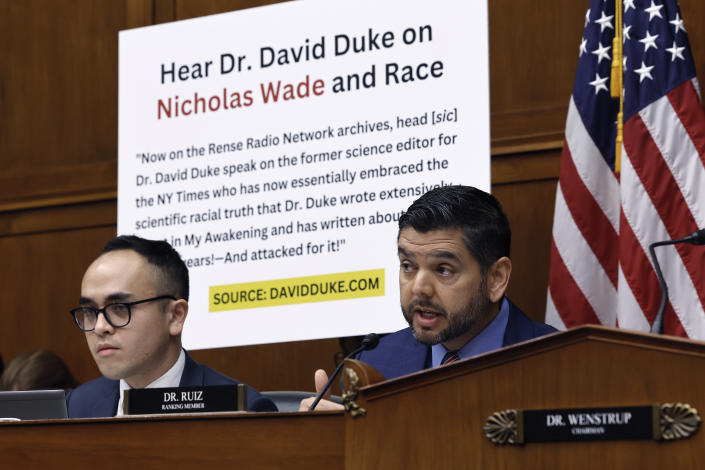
[117, 314]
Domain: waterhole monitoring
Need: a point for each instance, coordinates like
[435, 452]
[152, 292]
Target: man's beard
[459, 323]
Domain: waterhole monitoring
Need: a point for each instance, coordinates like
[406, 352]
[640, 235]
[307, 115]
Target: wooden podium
[431, 419]
[435, 418]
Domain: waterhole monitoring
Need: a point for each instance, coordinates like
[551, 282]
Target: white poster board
[275, 148]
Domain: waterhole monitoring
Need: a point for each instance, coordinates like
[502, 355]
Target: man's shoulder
[522, 328]
[99, 385]
[95, 398]
[213, 377]
[402, 339]
[397, 354]
[196, 374]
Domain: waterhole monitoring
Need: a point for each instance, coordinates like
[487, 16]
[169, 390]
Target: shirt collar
[171, 378]
[489, 339]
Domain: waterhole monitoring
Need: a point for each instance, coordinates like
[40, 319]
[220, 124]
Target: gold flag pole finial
[616, 83]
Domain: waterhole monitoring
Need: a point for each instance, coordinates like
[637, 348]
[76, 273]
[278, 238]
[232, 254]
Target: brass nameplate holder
[664, 422]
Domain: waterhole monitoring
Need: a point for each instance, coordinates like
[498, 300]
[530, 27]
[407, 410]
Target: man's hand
[320, 378]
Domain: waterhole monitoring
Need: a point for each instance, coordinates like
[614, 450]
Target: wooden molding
[58, 201]
[46, 216]
[523, 168]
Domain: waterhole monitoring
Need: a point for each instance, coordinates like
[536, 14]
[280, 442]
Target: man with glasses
[134, 301]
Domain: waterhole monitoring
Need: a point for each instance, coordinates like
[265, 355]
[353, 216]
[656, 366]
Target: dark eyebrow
[403, 252]
[117, 297]
[442, 254]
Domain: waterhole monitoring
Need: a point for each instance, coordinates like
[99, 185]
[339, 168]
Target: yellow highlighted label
[297, 290]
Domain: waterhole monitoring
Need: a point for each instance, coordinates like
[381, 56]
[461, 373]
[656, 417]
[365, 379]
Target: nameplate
[206, 399]
[667, 421]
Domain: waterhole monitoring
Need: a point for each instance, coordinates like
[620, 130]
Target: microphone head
[370, 341]
[697, 237]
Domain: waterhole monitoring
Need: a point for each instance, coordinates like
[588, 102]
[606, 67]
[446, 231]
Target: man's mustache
[425, 304]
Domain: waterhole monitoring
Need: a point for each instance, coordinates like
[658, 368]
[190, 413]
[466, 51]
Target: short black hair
[161, 255]
[479, 215]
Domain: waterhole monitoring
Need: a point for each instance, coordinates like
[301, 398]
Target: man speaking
[134, 301]
[454, 269]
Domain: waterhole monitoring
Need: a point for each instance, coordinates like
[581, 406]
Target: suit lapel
[110, 389]
[192, 375]
[519, 326]
[415, 356]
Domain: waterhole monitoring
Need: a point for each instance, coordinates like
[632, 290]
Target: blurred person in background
[37, 370]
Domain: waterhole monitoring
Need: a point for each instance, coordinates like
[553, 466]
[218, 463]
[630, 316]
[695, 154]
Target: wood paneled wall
[58, 159]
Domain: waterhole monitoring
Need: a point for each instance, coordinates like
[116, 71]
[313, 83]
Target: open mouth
[426, 317]
[424, 313]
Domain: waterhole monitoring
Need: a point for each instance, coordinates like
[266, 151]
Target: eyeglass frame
[128, 305]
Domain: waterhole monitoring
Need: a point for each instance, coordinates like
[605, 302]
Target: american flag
[605, 220]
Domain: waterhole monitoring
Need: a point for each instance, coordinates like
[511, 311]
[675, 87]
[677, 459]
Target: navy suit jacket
[99, 398]
[400, 354]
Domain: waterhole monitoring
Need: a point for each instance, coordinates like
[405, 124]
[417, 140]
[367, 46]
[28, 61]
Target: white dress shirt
[171, 378]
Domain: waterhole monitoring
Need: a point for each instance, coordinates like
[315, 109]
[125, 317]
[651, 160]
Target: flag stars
[587, 17]
[644, 72]
[676, 52]
[625, 32]
[649, 41]
[628, 4]
[601, 52]
[583, 47]
[605, 21]
[599, 83]
[654, 10]
[678, 23]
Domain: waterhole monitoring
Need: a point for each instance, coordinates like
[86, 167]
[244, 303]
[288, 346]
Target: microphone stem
[328, 384]
[332, 377]
[695, 238]
[657, 325]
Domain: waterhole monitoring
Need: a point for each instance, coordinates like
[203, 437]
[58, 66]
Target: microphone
[370, 341]
[695, 238]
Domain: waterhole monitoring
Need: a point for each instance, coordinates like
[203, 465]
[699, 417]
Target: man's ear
[177, 316]
[498, 278]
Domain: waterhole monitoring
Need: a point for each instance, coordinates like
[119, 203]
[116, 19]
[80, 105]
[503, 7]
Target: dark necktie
[451, 356]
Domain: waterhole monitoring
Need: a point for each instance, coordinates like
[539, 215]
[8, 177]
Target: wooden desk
[206, 441]
[431, 419]
[435, 418]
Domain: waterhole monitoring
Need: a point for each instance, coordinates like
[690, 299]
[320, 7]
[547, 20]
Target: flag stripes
[570, 297]
[604, 222]
[592, 169]
[691, 117]
[589, 218]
